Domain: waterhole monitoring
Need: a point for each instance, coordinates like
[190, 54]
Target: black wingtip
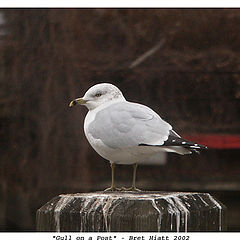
[195, 147]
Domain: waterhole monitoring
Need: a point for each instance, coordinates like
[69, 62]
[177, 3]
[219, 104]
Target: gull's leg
[112, 188]
[133, 187]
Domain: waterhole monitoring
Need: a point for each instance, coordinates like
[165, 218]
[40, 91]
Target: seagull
[125, 132]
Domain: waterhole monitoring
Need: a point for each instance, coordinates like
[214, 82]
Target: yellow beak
[77, 101]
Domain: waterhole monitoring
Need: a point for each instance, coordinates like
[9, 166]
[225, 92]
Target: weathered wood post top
[132, 211]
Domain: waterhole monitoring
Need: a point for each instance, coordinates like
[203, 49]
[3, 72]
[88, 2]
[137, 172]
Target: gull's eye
[98, 95]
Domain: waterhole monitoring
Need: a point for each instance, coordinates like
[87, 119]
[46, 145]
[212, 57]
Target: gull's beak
[77, 101]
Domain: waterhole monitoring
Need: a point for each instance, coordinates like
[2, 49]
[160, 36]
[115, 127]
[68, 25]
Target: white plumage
[124, 132]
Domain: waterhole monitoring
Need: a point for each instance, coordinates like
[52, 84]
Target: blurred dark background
[190, 77]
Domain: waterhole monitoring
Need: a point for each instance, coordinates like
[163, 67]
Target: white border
[120, 3]
[119, 236]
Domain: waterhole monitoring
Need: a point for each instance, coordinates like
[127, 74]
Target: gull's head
[98, 95]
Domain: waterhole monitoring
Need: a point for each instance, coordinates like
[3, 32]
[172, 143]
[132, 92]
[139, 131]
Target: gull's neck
[92, 113]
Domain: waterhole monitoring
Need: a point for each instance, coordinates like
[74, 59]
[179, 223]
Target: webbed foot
[112, 189]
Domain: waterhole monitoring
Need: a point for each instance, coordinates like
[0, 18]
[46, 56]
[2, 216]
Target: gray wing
[126, 124]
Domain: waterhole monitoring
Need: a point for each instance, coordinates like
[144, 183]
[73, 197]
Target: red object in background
[217, 141]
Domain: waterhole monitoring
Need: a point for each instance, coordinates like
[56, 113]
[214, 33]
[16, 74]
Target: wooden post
[132, 211]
